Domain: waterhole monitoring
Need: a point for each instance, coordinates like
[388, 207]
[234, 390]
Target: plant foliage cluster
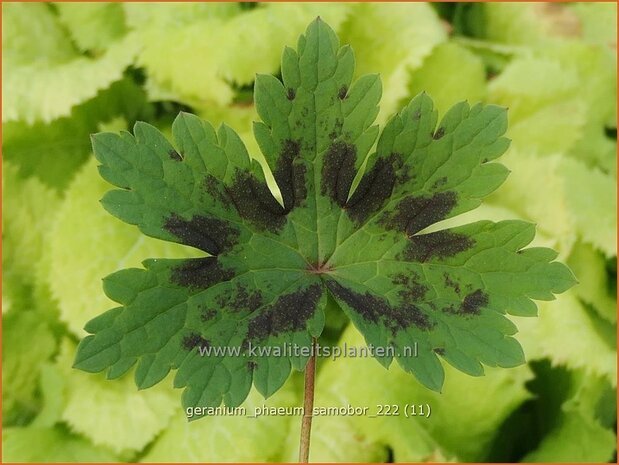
[70, 70]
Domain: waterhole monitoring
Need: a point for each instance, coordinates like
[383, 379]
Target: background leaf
[43, 86]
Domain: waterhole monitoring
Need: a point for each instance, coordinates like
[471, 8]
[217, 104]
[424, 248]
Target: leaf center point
[319, 268]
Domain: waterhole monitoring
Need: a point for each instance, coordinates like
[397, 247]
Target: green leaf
[597, 70]
[576, 439]
[271, 266]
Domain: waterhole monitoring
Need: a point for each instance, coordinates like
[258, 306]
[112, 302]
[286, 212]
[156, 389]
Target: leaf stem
[308, 405]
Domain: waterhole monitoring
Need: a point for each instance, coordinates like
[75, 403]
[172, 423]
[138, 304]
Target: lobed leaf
[263, 269]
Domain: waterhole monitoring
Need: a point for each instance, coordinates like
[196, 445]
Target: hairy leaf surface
[269, 266]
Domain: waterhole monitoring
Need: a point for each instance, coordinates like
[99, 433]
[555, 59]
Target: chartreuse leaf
[53, 445]
[463, 419]
[596, 285]
[167, 14]
[52, 384]
[414, 29]
[29, 208]
[576, 416]
[464, 76]
[53, 152]
[528, 24]
[271, 266]
[48, 77]
[216, 439]
[553, 217]
[93, 26]
[120, 418]
[598, 21]
[21, 363]
[223, 36]
[61, 87]
[337, 440]
[561, 99]
[567, 332]
[31, 32]
[595, 221]
[570, 189]
[546, 114]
